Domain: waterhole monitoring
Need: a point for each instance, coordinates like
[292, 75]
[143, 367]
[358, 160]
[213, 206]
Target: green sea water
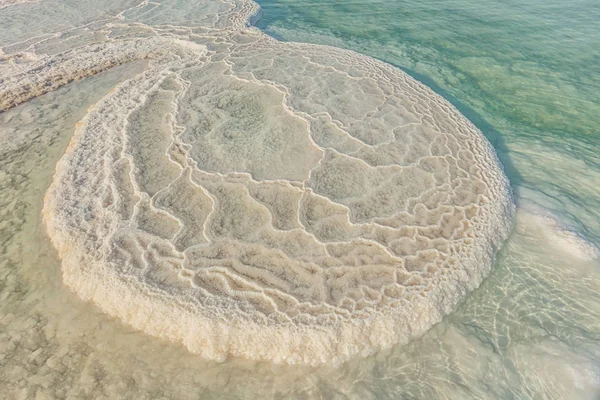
[527, 73]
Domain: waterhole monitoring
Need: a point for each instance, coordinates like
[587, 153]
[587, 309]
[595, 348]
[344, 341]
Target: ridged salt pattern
[8, 3]
[272, 201]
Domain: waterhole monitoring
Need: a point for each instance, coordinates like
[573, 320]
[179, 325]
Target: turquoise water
[526, 72]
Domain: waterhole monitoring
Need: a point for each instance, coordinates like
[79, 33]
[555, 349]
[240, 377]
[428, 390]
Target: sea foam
[267, 200]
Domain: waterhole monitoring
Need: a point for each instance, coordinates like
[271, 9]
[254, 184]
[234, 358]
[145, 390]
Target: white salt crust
[9, 3]
[272, 201]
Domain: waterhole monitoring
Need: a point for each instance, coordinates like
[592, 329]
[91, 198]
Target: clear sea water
[527, 73]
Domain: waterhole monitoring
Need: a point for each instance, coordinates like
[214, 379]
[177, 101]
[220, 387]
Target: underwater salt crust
[272, 201]
[8, 3]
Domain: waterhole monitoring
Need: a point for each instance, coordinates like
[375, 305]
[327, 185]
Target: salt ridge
[9, 3]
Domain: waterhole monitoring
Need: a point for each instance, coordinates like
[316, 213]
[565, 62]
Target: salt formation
[268, 200]
[30, 76]
[8, 3]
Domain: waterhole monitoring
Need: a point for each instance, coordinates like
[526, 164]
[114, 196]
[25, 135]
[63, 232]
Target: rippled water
[527, 74]
[532, 330]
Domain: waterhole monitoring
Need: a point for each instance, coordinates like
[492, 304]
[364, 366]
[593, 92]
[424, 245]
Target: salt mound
[274, 201]
[8, 3]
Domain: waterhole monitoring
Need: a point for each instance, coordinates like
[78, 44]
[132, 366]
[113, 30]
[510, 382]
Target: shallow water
[525, 72]
[530, 331]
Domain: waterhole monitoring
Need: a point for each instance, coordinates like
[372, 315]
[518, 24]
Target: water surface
[526, 73]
